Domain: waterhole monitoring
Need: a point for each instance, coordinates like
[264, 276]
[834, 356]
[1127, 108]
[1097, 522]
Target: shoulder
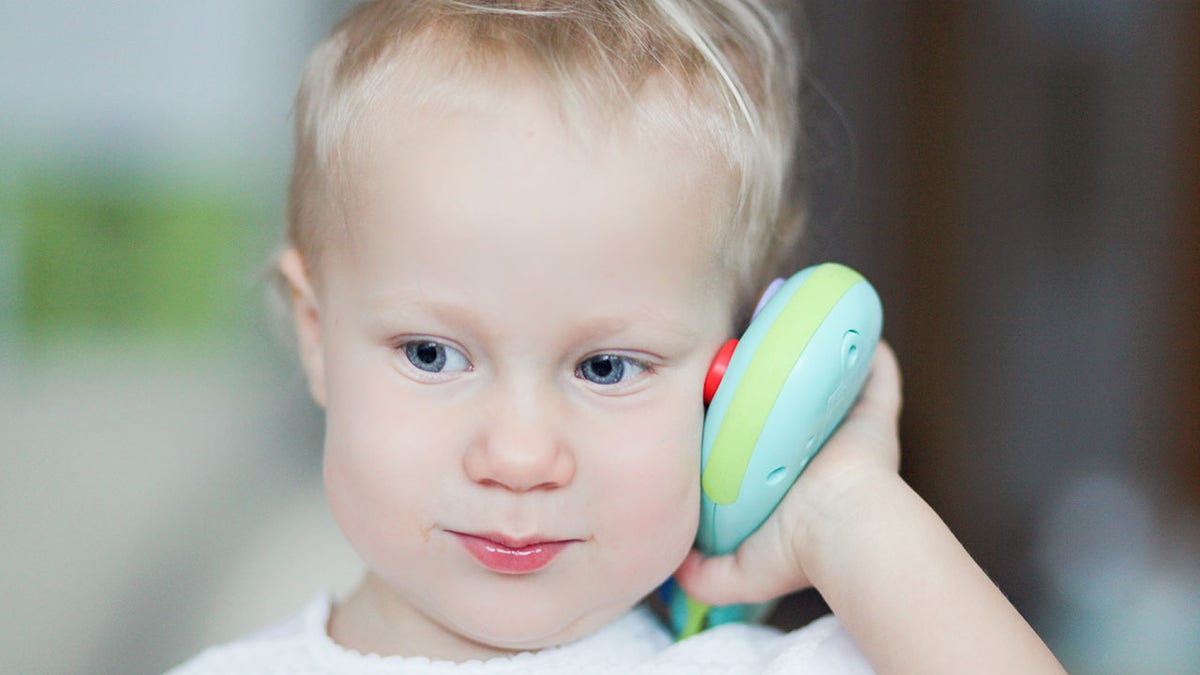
[822, 646]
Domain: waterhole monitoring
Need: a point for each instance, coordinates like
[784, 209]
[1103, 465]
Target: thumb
[740, 577]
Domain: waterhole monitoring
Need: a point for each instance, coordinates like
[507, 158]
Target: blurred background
[1021, 181]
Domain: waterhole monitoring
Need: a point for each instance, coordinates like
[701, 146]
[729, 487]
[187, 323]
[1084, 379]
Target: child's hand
[889, 568]
[779, 557]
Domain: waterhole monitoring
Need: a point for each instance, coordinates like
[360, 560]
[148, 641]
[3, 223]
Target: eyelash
[445, 354]
[622, 363]
[409, 352]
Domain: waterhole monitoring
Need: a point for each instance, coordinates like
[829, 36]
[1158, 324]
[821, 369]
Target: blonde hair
[735, 64]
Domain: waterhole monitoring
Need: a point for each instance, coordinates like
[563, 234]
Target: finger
[873, 423]
[881, 397]
[743, 576]
[718, 581]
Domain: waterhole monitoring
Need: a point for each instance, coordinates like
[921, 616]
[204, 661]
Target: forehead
[503, 151]
[501, 186]
[517, 118]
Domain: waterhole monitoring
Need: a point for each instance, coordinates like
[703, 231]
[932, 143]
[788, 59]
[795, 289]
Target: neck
[374, 621]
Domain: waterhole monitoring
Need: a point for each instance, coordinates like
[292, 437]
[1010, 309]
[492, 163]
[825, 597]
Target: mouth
[506, 555]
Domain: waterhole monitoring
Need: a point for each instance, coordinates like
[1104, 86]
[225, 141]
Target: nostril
[518, 465]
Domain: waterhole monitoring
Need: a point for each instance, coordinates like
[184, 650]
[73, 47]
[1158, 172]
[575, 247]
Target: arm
[890, 569]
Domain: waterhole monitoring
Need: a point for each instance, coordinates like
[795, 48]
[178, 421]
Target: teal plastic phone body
[792, 378]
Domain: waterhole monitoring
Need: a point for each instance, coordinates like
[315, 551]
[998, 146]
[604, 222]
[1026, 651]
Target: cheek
[651, 488]
[385, 462]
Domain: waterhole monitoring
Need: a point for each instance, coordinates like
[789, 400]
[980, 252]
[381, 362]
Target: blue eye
[435, 357]
[608, 369]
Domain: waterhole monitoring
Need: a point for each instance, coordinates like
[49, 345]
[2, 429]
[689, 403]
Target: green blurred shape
[128, 254]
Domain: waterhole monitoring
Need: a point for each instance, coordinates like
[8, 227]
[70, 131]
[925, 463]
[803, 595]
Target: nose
[519, 446]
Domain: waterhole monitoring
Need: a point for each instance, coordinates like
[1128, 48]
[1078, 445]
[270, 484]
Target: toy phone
[774, 397]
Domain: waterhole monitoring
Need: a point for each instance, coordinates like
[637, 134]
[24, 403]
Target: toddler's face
[510, 345]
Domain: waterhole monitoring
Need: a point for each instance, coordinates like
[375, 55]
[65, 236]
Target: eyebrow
[388, 308]
[609, 326]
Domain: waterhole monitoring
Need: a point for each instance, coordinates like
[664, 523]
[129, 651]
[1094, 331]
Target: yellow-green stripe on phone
[765, 376]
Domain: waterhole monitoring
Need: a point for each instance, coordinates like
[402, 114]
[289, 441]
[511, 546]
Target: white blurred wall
[155, 495]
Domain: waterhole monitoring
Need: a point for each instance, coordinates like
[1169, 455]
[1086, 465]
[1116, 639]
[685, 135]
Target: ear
[306, 317]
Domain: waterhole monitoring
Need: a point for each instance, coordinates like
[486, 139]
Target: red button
[716, 372]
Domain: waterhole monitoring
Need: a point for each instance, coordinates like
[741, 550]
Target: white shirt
[634, 643]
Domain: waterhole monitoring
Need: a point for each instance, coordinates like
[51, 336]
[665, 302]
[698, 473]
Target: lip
[511, 556]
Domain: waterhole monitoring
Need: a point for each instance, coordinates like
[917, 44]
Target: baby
[518, 233]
